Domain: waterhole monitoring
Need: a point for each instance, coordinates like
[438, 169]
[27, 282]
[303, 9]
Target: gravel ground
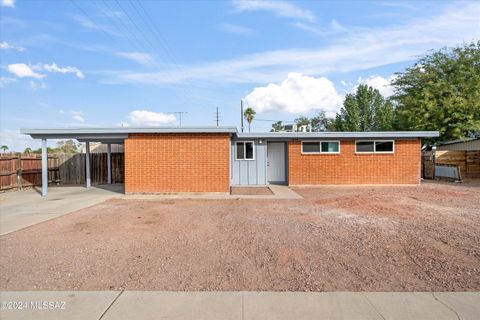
[424, 238]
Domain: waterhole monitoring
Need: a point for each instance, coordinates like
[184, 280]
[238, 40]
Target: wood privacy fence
[467, 161]
[18, 171]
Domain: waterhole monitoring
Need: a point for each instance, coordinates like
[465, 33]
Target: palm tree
[28, 150]
[249, 114]
[4, 148]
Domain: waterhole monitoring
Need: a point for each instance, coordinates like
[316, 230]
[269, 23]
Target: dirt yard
[424, 238]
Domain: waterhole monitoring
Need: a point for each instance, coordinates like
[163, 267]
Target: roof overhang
[116, 135]
[339, 135]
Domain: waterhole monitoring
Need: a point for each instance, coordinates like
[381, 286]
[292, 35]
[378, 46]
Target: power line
[125, 30]
[153, 46]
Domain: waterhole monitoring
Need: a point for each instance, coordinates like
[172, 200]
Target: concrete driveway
[22, 209]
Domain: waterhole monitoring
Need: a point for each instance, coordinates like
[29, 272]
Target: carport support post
[109, 163]
[87, 164]
[44, 168]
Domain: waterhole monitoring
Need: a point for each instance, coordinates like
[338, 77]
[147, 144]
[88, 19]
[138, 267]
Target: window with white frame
[375, 146]
[314, 147]
[244, 150]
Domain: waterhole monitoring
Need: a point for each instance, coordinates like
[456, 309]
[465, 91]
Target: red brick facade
[177, 162]
[347, 167]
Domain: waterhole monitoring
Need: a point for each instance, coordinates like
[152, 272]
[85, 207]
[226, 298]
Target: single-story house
[213, 159]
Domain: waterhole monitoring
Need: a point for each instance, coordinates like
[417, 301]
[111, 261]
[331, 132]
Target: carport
[106, 136]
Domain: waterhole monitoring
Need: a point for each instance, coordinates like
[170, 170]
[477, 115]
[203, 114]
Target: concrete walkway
[279, 192]
[21, 209]
[114, 305]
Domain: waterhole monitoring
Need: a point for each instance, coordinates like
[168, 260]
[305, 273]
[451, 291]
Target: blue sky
[109, 63]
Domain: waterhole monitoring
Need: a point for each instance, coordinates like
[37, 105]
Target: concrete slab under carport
[24, 208]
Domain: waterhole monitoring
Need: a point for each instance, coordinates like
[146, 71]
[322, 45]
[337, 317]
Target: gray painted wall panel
[249, 172]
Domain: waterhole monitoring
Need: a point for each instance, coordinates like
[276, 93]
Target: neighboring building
[295, 128]
[213, 159]
[472, 144]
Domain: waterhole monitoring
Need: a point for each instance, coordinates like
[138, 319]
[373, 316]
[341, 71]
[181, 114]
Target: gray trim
[108, 134]
[127, 130]
[338, 135]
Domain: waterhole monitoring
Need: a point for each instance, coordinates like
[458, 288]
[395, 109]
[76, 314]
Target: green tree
[384, 117]
[66, 146]
[441, 91]
[321, 123]
[28, 150]
[365, 110]
[4, 148]
[249, 115]
[277, 126]
[302, 121]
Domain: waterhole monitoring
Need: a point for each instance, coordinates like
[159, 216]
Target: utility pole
[241, 114]
[217, 117]
[180, 116]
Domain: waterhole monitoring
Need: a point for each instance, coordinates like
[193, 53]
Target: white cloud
[89, 24]
[8, 3]
[139, 57]
[297, 94]
[383, 85]
[6, 80]
[78, 116]
[22, 70]
[54, 68]
[357, 49]
[279, 8]
[37, 85]
[5, 46]
[235, 29]
[150, 118]
[333, 27]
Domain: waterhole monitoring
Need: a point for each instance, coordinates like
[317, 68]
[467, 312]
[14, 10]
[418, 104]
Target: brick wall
[177, 162]
[401, 167]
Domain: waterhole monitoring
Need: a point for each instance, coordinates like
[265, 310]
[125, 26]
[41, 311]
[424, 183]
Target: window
[320, 147]
[365, 146]
[244, 151]
[383, 146]
[330, 146]
[374, 146]
[310, 147]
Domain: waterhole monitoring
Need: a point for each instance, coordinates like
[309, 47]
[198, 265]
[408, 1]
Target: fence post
[18, 167]
[44, 168]
[87, 164]
[434, 149]
[109, 163]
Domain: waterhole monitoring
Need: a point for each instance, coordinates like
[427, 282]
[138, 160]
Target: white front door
[276, 162]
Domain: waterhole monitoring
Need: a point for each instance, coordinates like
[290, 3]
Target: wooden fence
[467, 161]
[18, 171]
